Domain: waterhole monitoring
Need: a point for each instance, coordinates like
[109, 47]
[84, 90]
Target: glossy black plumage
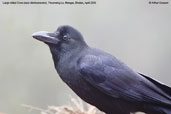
[101, 79]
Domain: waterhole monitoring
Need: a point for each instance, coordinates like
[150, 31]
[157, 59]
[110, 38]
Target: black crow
[101, 79]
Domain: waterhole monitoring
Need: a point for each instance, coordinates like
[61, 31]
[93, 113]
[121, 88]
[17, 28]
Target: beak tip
[34, 35]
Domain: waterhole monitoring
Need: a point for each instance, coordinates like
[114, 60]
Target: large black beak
[46, 37]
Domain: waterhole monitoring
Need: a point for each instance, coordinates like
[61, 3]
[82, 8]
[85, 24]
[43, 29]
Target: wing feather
[121, 82]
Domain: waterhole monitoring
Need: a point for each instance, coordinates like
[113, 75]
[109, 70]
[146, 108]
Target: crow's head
[65, 38]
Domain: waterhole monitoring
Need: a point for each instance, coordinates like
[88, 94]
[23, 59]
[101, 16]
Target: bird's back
[139, 93]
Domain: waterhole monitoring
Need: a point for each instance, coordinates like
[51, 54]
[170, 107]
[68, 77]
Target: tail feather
[163, 87]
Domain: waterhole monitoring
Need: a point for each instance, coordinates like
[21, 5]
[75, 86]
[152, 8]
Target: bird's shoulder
[95, 57]
[100, 66]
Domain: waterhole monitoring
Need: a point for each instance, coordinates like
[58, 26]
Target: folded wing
[122, 82]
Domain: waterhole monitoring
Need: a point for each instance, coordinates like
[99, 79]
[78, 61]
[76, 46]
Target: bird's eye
[65, 37]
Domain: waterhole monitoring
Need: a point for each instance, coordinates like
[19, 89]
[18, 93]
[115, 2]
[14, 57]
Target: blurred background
[136, 32]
